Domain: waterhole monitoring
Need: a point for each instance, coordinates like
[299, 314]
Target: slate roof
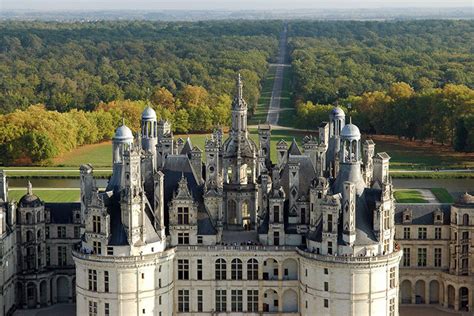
[306, 175]
[422, 214]
[62, 213]
[294, 149]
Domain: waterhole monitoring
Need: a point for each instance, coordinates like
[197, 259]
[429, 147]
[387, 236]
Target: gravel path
[274, 108]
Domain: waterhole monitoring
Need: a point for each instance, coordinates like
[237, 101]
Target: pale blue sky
[223, 4]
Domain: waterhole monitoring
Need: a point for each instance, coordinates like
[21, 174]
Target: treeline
[36, 135]
[444, 115]
[337, 59]
[69, 66]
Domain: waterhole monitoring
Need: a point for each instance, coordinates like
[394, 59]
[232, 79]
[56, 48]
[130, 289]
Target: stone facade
[436, 267]
[235, 234]
[37, 242]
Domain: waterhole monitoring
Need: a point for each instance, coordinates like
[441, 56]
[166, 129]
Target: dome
[148, 114]
[30, 200]
[466, 198]
[123, 133]
[337, 112]
[350, 131]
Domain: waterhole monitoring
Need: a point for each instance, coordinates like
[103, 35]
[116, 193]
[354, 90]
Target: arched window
[236, 269]
[232, 212]
[29, 236]
[252, 269]
[221, 269]
[38, 217]
[465, 219]
[29, 218]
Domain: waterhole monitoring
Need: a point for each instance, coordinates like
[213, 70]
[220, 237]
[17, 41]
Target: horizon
[225, 5]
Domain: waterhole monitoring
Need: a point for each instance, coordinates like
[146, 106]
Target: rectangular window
[110, 251]
[96, 224]
[326, 271]
[326, 286]
[422, 257]
[199, 301]
[183, 215]
[303, 215]
[329, 222]
[92, 308]
[199, 269]
[97, 245]
[237, 301]
[330, 247]
[406, 232]
[61, 231]
[183, 301]
[199, 240]
[77, 232]
[391, 307]
[48, 255]
[46, 233]
[183, 269]
[106, 281]
[92, 280]
[62, 255]
[221, 300]
[183, 238]
[406, 257]
[252, 300]
[422, 233]
[107, 309]
[276, 238]
[437, 257]
[276, 213]
[392, 278]
[326, 303]
[437, 232]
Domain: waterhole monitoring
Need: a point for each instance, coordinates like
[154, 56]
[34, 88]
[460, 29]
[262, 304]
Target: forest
[102, 70]
[63, 85]
[413, 79]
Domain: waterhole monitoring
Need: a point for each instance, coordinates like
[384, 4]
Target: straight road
[274, 108]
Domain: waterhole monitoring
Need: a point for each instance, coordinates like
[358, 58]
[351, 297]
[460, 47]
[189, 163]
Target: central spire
[239, 87]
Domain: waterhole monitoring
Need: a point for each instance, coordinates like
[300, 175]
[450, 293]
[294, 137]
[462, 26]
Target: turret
[213, 163]
[348, 213]
[3, 186]
[264, 134]
[164, 146]
[149, 131]
[368, 150]
[239, 113]
[121, 141]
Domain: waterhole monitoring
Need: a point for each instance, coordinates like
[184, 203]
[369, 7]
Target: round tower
[122, 140]
[149, 130]
[337, 120]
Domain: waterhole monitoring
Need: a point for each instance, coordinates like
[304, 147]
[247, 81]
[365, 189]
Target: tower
[239, 113]
[348, 213]
[337, 120]
[282, 149]
[164, 146]
[264, 134]
[149, 132]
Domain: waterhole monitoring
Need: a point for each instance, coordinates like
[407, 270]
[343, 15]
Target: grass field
[442, 195]
[55, 195]
[260, 115]
[288, 112]
[409, 196]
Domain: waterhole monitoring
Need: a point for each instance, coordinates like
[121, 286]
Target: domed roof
[350, 131]
[149, 114]
[30, 199]
[337, 112]
[466, 198]
[123, 133]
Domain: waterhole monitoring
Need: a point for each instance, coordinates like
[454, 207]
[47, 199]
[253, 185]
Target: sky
[155, 5]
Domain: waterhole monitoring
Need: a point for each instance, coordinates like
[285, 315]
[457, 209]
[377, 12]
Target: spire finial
[350, 119]
[29, 189]
[239, 86]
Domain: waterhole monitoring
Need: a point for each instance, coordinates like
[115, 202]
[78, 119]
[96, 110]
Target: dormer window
[183, 215]
[407, 216]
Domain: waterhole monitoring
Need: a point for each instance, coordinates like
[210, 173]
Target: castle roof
[148, 114]
[123, 133]
[350, 131]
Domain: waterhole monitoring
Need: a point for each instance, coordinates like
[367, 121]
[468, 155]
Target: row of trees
[445, 115]
[36, 134]
[337, 59]
[78, 65]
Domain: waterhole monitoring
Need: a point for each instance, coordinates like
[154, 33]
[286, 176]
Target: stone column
[413, 293]
[456, 299]
[445, 296]
[427, 293]
[38, 295]
[280, 270]
[280, 300]
[70, 290]
[55, 292]
[48, 293]
[25, 298]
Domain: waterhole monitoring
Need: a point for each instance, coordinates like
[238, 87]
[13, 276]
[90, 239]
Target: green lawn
[48, 195]
[409, 196]
[260, 115]
[417, 156]
[442, 195]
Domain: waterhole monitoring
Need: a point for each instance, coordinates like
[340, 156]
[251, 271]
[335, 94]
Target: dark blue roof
[62, 213]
